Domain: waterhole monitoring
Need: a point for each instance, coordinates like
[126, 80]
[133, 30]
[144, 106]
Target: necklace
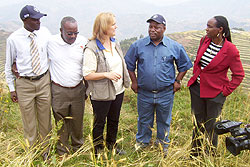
[211, 50]
[221, 41]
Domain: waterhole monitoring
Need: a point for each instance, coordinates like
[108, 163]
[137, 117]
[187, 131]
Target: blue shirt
[155, 64]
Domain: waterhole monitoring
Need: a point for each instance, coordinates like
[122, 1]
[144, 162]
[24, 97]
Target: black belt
[34, 78]
[65, 86]
[159, 90]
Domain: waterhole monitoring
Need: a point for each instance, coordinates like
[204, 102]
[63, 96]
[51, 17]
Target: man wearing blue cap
[156, 82]
[28, 78]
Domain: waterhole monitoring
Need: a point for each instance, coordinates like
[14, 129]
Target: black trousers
[103, 110]
[205, 110]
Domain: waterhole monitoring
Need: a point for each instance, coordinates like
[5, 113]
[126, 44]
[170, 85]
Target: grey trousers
[68, 106]
[205, 110]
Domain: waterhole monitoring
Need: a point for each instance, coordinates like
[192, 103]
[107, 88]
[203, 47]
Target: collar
[164, 41]
[27, 33]
[99, 44]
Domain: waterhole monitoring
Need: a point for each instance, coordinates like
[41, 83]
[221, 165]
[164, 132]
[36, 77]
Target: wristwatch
[178, 81]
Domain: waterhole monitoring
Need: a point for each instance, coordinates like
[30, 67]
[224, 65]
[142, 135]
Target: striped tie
[35, 58]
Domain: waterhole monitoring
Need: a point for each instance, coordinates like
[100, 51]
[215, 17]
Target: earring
[218, 35]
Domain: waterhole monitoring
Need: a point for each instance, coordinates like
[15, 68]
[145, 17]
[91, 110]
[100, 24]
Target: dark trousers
[103, 110]
[205, 110]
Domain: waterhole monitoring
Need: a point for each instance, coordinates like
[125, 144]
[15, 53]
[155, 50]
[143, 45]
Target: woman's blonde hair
[102, 22]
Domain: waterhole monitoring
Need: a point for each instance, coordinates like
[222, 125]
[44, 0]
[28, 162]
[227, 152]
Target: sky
[155, 2]
[181, 15]
[165, 2]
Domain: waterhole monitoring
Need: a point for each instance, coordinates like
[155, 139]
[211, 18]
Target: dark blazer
[213, 78]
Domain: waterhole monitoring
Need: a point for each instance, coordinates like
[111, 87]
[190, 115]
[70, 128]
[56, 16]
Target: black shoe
[46, 157]
[120, 151]
[98, 150]
[165, 151]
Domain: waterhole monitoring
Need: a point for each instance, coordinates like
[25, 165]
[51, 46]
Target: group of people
[44, 70]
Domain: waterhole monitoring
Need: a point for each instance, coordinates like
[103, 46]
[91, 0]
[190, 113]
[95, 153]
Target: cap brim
[38, 16]
[149, 20]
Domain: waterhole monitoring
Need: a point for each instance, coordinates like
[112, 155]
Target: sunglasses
[71, 33]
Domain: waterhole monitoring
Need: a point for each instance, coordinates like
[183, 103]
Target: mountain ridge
[131, 15]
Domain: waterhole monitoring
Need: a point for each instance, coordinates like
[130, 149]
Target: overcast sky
[155, 2]
[181, 15]
[165, 2]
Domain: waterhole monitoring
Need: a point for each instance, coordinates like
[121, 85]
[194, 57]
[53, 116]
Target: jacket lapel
[219, 57]
[202, 49]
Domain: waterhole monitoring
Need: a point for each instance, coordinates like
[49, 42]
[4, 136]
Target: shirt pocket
[167, 61]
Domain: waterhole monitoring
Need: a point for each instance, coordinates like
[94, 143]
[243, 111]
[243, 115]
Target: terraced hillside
[3, 36]
[190, 40]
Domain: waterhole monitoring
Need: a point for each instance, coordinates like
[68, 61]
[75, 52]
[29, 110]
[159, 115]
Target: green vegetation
[13, 152]
[125, 44]
[237, 107]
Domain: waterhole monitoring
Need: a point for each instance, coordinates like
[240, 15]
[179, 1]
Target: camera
[241, 136]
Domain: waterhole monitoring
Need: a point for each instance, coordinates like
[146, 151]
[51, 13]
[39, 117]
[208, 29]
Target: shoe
[120, 151]
[62, 157]
[46, 157]
[98, 150]
[117, 149]
[165, 152]
[195, 152]
[139, 145]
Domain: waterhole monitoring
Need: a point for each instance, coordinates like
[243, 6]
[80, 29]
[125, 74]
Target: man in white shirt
[29, 85]
[65, 52]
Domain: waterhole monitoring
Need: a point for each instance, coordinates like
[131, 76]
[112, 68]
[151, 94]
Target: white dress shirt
[66, 60]
[18, 50]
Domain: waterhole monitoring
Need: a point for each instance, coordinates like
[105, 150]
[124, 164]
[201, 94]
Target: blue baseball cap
[157, 18]
[31, 11]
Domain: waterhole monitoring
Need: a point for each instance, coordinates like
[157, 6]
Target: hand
[14, 70]
[86, 97]
[14, 96]
[134, 87]
[112, 76]
[177, 86]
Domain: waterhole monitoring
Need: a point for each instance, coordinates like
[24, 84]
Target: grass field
[12, 144]
[236, 108]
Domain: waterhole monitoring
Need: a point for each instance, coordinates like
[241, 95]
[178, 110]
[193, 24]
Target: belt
[34, 78]
[159, 90]
[65, 86]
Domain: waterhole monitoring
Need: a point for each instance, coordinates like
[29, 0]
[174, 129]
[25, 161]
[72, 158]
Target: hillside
[3, 37]
[189, 39]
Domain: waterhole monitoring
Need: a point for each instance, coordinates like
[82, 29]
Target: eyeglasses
[71, 33]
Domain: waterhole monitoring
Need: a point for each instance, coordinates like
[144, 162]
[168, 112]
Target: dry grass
[13, 152]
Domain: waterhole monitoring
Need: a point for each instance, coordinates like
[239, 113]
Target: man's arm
[183, 64]
[133, 78]
[10, 78]
[177, 83]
